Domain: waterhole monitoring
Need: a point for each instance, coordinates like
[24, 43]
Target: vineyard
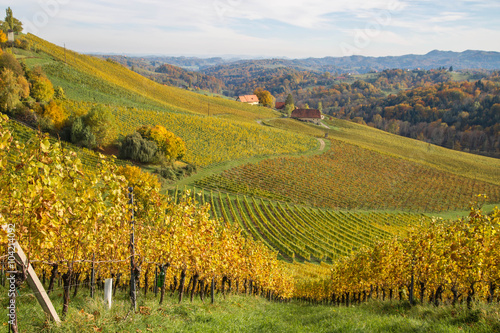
[297, 126]
[454, 262]
[211, 140]
[350, 177]
[455, 162]
[104, 75]
[338, 226]
[72, 222]
[302, 233]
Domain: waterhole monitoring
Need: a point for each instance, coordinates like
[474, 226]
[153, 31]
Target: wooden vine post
[34, 283]
[133, 285]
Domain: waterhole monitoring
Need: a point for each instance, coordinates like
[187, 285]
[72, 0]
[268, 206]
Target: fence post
[92, 277]
[108, 291]
[133, 286]
[156, 281]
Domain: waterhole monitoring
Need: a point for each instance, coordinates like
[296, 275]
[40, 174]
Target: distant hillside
[168, 74]
[459, 60]
[470, 59]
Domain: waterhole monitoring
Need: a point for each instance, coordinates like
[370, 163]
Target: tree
[41, 88]
[265, 97]
[3, 37]
[11, 91]
[7, 60]
[136, 148]
[11, 23]
[55, 112]
[169, 145]
[320, 106]
[289, 104]
[100, 121]
[81, 134]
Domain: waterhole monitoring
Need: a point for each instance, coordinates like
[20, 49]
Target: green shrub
[136, 148]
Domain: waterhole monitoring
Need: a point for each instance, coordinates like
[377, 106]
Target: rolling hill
[291, 186]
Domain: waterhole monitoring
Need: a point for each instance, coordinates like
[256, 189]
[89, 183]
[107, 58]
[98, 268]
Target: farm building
[311, 115]
[250, 99]
[279, 105]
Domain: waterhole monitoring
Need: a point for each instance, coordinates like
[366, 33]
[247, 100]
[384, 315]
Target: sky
[263, 28]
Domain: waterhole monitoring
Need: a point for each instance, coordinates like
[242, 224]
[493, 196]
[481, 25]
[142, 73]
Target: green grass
[239, 313]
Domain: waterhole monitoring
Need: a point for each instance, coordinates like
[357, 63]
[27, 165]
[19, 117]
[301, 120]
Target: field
[459, 163]
[296, 126]
[351, 177]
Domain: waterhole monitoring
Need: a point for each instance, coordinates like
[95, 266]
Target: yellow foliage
[146, 186]
[168, 143]
[3, 37]
[24, 85]
[41, 88]
[56, 113]
[67, 217]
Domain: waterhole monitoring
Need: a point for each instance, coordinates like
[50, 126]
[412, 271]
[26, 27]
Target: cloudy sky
[272, 28]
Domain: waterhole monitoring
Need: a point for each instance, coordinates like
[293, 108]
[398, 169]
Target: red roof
[248, 99]
[306, 113]
[279, 105]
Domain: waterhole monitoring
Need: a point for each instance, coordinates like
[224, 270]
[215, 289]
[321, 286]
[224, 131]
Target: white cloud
[448, 17]
[246, 26]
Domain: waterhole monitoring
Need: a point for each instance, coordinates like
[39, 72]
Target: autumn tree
[169, 145]
[265, 97]
[12, 90]
[41, 87]
[7, 60]
[56, 113]
[3, 37]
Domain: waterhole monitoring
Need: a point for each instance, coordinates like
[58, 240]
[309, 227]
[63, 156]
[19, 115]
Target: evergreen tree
[136, 148]
[11, 23]
[289, 104]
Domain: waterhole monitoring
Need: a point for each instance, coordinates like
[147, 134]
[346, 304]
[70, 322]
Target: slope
[230, 132]
[174, 99]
